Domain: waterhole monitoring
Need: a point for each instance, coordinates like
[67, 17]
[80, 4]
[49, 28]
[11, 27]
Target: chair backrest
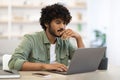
[7, 46]
[5, 60]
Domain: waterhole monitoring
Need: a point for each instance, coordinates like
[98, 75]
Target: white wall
[113, 36]
[98, 16]
[106, 13]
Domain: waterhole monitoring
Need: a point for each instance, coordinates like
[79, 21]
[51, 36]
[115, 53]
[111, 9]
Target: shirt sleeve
[21, 53]
[72, 49]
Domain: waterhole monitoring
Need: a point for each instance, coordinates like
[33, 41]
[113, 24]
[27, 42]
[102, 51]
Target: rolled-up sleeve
[16, 63]
[21, 53]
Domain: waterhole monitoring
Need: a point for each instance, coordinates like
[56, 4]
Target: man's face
[56, 27]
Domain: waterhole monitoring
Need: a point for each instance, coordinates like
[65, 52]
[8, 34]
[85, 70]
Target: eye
[64, 23]
[58, 22]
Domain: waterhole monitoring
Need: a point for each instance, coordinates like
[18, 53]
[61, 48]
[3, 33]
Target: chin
[58, 36]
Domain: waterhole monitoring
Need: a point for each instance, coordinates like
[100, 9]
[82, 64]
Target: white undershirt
[52, 53]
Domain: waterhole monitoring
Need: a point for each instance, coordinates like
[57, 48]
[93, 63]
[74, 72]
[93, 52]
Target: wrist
[79, 42]
[43, 66]
[78, 37]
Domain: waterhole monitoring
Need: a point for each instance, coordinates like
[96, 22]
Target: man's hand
[69, 33]
[55, 66]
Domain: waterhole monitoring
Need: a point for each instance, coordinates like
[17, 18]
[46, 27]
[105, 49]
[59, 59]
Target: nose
[63, 26]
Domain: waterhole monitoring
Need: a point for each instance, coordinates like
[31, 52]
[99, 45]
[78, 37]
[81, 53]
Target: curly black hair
[54, 11]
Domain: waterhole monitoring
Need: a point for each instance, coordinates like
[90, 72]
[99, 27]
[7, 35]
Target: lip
[60, 30]
[59, 33]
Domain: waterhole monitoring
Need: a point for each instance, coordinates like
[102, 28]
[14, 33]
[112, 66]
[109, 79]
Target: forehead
[58, 19]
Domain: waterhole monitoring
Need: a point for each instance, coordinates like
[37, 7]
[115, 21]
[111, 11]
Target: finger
[59, 69]
[68, 31]
[63, 37]
[69, 34]
[62, 32]
[63, 67]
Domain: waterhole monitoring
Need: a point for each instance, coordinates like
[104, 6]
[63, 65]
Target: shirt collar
[45, 39]
[58, 41]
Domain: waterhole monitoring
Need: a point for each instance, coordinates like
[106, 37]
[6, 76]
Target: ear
[46, 25]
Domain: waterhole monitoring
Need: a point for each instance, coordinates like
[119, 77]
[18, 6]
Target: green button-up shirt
[36, 48]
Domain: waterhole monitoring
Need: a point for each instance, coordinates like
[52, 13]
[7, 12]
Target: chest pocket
[64, 57]
[38, 57]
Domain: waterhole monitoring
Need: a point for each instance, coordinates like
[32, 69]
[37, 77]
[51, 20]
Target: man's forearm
[29, 66]
[80, 43]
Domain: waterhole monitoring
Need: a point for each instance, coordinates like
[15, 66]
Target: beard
[52, 32]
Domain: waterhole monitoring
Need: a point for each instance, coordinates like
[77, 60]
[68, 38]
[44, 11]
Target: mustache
[61, 29]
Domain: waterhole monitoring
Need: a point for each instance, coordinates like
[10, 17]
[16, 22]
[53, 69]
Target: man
[49, 49]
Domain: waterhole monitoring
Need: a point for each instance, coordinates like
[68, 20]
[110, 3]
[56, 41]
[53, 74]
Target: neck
[50, 37]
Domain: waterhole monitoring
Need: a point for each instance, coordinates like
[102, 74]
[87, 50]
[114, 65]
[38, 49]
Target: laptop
[9, 74]
[84, 60]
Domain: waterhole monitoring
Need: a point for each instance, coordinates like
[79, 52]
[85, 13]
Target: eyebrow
[60, 20]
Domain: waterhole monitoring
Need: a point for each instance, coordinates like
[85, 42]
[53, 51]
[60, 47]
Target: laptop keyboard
[59, 72]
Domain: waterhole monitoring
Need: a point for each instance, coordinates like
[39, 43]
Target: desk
[113, 73]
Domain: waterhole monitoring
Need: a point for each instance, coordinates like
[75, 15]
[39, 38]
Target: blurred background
[97, 21]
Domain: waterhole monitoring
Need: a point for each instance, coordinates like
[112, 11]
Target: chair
[5, 60]
[7, 47]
